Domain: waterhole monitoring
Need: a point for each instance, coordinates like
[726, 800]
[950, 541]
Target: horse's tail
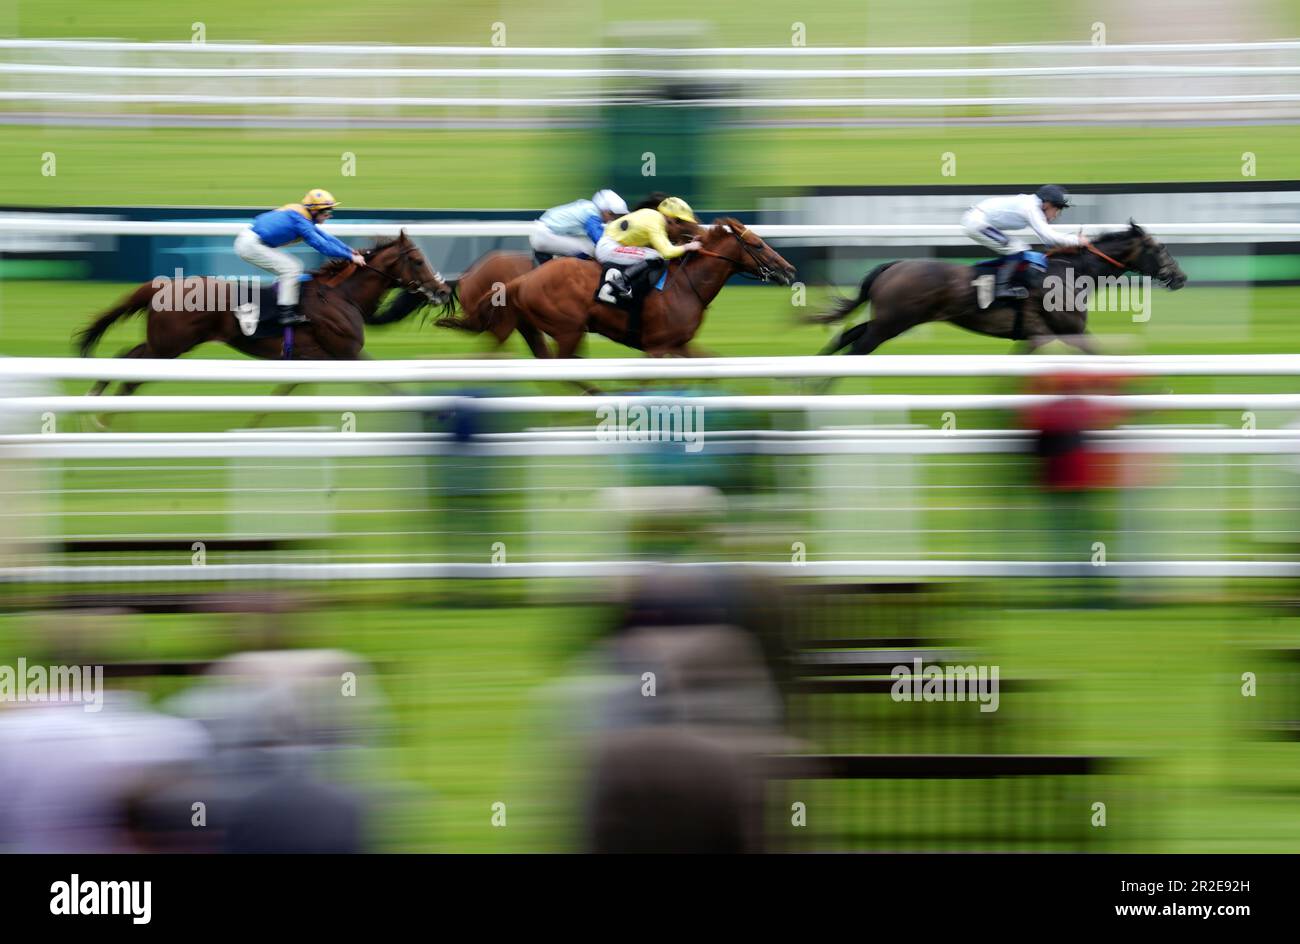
[449, 317]
[845, 306]
[132, 304]
[402, 304]
[480, 319]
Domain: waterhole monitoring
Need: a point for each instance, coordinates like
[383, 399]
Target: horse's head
[402, 261]
[731, 240]
[1141, 252]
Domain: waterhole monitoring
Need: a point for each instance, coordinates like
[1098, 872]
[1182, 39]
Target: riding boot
[633, 273]
[290, 315]
[621, 284]
[1006, 271]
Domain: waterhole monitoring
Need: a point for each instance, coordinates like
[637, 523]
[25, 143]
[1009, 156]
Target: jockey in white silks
[574, 228]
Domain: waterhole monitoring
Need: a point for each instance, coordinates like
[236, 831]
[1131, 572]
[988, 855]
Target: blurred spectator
[1071, 472]
[279, 720]
[68, 777]
[295, 813]
[661, 723]
[669, 790]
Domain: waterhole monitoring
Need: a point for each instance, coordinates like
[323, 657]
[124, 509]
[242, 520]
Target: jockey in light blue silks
[988, 221]
[574, 228]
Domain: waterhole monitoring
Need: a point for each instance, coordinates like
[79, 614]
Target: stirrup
[622, 284]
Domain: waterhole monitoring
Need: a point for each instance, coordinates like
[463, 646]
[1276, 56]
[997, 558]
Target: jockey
[640, 241]
[987, 221]
[574, 228]
[259, 244]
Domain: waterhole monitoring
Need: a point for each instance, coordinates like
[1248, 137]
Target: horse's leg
[880, 329]
[535, 339]
[567, 348]
[125, 390]
[846, 338]
[1083, 342]
[283, 390]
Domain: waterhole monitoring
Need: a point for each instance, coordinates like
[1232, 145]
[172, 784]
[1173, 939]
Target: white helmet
[607, 201]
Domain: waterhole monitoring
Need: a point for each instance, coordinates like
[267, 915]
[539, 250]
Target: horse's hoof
[98, 423]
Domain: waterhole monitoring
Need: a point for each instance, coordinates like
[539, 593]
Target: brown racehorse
[912, 292]
[339, 302]
[480, 293]
[558, 298]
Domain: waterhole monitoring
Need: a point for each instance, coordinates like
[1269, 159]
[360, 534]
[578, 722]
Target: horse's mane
[651, 200]
[334, 266]
[1104, 241]
[718, 228]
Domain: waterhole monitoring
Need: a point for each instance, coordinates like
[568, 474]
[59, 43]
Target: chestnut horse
[340, 301]
[480, 293]
[558, 298]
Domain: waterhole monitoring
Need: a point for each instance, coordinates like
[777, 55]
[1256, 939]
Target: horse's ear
[1137, 230]
[402, 237]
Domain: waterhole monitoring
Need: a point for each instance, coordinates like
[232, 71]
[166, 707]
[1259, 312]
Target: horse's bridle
[413, 285]
[1164, 270]
[765, 272]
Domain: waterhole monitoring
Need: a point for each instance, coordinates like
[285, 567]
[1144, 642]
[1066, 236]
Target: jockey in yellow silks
[639, 241]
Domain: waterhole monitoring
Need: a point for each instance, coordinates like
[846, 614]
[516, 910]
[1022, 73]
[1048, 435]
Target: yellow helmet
[319, 199]
[678, 209]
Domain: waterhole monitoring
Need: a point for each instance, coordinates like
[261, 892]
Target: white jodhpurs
[543, 240]
[287, 269]
[612, 252]
[977, 227]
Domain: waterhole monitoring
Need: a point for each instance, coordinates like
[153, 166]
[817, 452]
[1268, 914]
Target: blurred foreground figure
[670, 790]
[69, 778]
[1071, 472]
[689, 705]
[278, 720]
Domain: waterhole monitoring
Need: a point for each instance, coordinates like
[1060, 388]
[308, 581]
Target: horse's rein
[346, 273]
[1097, 252]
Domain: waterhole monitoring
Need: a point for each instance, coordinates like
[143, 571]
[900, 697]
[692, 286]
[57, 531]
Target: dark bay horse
[339, 301]
[558, 298]
[908, 293]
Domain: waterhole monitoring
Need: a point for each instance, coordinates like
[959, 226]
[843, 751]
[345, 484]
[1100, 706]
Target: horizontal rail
[600, 101]
[927, 766]
[704, 52]
[593, 404]
[274, 572]
[713, 74]
[80, 226]
[589, 442]
[675, 369]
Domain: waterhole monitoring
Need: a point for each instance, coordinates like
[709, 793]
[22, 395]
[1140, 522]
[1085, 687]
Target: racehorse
[481, 294]
[904, 294]
[558, 298]
[340, 300]
[486, 279]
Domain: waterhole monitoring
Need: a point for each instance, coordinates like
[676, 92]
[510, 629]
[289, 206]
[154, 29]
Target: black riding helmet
[1054, 194]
